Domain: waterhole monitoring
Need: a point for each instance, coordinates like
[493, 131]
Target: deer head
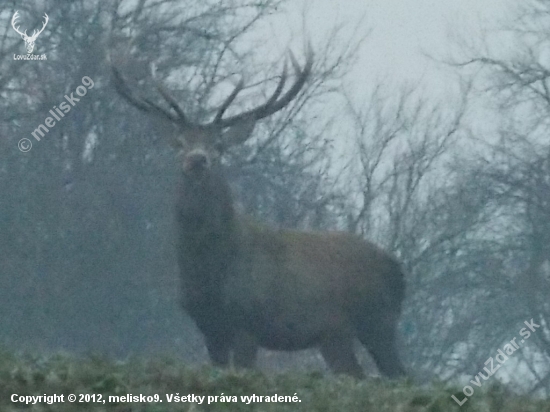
[29, 40]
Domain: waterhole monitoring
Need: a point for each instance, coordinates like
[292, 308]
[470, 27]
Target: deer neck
[206, 216]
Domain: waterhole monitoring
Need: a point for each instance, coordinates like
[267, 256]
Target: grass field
[103, 385]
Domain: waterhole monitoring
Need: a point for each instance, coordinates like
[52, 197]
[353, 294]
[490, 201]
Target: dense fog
[88, 183]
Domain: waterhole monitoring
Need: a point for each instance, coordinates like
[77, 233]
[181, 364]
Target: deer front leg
[245, 349]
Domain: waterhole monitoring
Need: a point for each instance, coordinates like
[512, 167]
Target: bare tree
[408, 198]
[512, 171]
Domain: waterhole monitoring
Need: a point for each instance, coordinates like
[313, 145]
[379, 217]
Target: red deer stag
[247, 285]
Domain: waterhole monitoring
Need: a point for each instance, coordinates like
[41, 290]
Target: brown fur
[248, 285]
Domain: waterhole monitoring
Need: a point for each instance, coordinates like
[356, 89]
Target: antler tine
[172, 102]
[182, 118]
[276, 102]
[279, 87]
[141, 103]
[302, 75]
[228, 101]
[295, 63]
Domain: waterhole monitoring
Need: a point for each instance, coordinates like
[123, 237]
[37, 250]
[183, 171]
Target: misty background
[424, 128]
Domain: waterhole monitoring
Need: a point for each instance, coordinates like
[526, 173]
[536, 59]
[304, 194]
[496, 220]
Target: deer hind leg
[218, 350]
[340, 357]
[378, 336]
[245, 349]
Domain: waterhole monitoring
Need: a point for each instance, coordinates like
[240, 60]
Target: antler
[35, 33]
[13, 21]
[275, 102]
[144, 103]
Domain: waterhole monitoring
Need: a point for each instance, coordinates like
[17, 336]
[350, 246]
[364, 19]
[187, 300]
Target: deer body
[248, 285]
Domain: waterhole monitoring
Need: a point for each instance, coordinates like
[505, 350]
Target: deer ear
[239, 133]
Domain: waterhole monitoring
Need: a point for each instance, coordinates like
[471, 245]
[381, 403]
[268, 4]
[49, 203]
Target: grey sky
[400, 31]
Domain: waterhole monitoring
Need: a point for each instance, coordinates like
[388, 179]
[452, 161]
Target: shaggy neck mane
[207, 223]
